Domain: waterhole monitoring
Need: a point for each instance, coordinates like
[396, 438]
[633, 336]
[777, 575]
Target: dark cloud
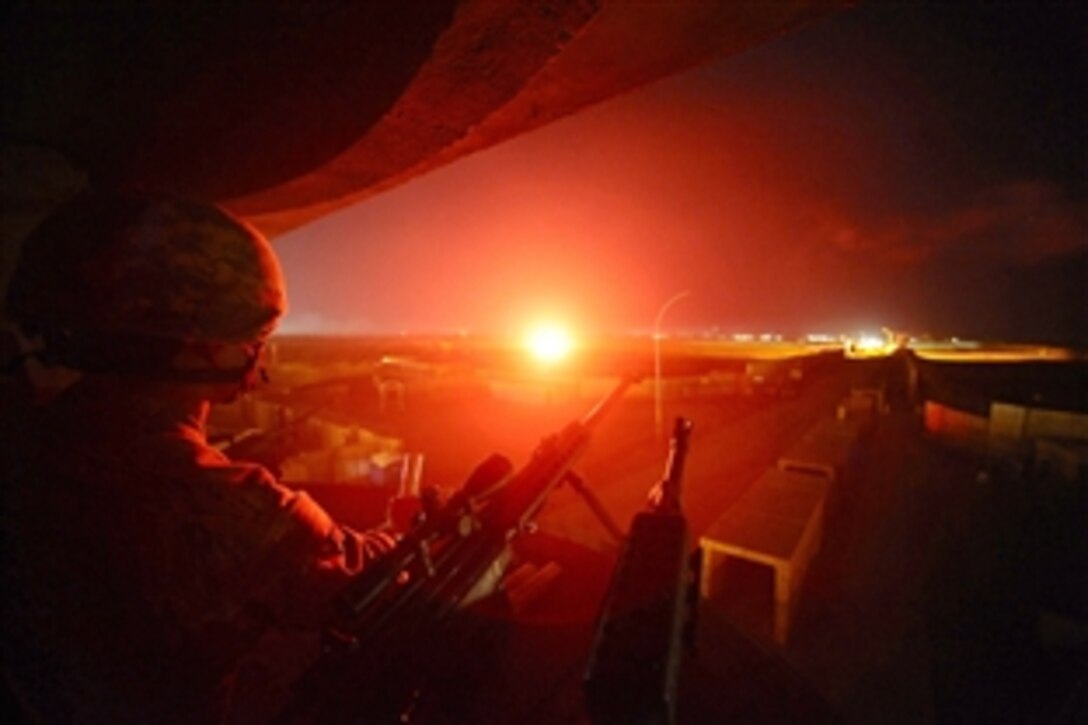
[1010, 224]
[888, 165]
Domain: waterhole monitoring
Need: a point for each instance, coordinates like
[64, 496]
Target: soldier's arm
[282, 550]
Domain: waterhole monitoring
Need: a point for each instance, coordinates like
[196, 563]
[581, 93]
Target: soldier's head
[157, 289]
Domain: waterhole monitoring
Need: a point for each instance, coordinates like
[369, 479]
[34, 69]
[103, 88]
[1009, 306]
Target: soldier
[147, 577]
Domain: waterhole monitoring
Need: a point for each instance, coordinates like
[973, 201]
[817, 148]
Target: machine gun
[376, 646]
[649, 612]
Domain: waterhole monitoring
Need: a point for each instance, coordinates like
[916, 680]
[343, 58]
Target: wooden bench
[826, 450]
[778, 523]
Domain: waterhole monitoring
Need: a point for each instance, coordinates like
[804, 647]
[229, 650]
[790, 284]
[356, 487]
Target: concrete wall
[1015, 421]
[1016, 431]
[1010, 433]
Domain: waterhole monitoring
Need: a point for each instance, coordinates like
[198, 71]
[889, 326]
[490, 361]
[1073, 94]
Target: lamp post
[657, 357]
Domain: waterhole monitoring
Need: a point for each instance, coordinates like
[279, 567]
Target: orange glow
[549, 343]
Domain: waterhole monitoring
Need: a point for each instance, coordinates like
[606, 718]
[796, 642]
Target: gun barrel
[550, 465]
[672, 481]
[603, 408]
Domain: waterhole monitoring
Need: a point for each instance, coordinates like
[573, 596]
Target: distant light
[871, 343]
[549, 343]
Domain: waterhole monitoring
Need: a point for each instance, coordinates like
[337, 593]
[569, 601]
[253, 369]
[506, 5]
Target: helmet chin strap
[255, 373]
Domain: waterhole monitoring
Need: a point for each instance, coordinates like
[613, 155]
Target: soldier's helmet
[158, 287]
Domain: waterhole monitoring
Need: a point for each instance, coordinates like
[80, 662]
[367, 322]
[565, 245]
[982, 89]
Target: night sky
[889, 165]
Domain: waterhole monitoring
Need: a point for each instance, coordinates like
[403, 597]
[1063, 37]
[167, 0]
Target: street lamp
[657, 357]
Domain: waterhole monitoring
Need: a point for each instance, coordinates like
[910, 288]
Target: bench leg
[783, 603]
[710, 560]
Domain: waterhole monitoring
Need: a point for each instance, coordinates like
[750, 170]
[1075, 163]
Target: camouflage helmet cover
[165, 268]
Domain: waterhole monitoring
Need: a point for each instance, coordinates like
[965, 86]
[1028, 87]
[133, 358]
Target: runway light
[549, 343]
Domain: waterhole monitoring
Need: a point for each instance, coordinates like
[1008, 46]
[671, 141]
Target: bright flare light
[869, 345]
[549, 343]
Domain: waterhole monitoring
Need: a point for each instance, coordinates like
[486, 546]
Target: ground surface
[923, 606]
